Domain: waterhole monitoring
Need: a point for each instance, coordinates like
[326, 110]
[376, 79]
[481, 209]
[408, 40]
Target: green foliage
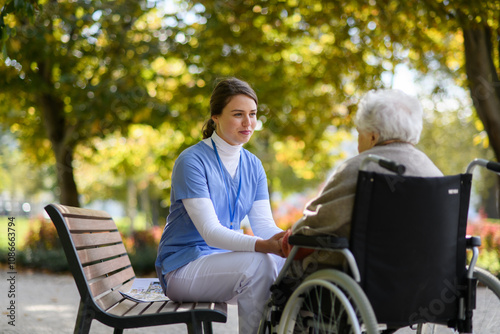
[23, 9]
[86, 70]
[145, 157]
[19, 174]
[452, 138]
[87, 59]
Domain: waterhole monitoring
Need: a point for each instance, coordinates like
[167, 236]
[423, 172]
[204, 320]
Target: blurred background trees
[100, 97]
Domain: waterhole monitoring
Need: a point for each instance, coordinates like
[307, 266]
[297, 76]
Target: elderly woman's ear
[367, 140]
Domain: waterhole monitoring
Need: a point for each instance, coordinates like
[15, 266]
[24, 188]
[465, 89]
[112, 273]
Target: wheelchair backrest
[408, 238]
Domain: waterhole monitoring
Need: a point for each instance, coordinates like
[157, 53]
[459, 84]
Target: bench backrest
[96, 255]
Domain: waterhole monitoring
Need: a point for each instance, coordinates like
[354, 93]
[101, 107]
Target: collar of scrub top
[231, 210]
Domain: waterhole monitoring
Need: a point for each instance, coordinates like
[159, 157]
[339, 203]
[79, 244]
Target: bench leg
[118, 331]
[207, 327]
[84, 319]
[194, 328]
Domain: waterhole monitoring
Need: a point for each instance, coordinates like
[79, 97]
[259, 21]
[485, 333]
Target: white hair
[392, 114]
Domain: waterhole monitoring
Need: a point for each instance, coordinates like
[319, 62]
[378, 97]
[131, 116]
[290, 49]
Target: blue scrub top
[197, 174]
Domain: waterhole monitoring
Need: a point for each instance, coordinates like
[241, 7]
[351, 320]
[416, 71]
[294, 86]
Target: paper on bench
[145, 290]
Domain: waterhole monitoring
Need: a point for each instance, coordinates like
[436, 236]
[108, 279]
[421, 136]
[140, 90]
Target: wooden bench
[101, 268]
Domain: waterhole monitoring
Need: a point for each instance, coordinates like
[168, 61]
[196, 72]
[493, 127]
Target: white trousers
[225, 277]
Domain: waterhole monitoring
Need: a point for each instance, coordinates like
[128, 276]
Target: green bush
[42, 248]
[53, 260]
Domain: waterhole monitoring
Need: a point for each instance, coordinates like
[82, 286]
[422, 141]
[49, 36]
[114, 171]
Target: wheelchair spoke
[327, 302]
[318, 310]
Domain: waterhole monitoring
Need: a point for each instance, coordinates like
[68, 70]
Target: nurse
[203, 256]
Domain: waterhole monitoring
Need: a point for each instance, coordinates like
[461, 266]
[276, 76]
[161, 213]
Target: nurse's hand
[271, 245]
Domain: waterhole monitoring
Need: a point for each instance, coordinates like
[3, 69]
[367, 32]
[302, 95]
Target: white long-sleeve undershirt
[202, 211]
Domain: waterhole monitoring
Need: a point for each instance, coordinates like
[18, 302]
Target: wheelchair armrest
[318, 241]
[472, 241]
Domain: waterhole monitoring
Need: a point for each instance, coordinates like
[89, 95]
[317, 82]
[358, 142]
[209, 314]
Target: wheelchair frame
[359, 316]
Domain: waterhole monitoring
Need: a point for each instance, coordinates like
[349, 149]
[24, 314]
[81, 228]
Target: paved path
[48, 303]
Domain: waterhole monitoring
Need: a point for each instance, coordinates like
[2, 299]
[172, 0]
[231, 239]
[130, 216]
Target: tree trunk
[58, 133]
[491, 203]
[65, 175]
[483, 81]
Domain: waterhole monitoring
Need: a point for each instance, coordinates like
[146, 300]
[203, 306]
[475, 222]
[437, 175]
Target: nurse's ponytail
[222, 94]
[208, 128]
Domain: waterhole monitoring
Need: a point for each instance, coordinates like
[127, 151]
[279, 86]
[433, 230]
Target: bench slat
[78, 224]
[96, 254]
[123, 307]
[155, 307]
[186, 307]
[106, 267]
[73, 211]
[138, 309]
[110, 299]
[220, 307]
[171, 306]
[110, 282]
[95, 239]
[204, 306]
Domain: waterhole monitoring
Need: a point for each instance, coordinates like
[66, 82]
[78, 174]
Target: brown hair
[222, 94]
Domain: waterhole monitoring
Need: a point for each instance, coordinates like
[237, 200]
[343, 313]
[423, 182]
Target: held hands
[286, 247]
[278, 244]
[271, 245]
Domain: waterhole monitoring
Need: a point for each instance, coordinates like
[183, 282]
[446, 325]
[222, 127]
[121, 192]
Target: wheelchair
[407, 269]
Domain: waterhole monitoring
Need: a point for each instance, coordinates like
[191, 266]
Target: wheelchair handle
[384, 163]
[490, 165]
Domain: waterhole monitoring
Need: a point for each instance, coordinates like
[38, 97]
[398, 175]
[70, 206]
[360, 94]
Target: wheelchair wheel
[328, 301]
[486, 316]
[265, 326]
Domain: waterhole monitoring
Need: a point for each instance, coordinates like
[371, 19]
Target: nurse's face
[238, 120]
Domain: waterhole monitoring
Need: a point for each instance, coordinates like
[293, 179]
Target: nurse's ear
[215, 118]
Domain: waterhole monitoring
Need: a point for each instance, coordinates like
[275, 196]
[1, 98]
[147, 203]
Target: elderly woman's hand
[271, 245]
[287, 248]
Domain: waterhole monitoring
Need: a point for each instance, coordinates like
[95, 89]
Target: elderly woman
[389, 124]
